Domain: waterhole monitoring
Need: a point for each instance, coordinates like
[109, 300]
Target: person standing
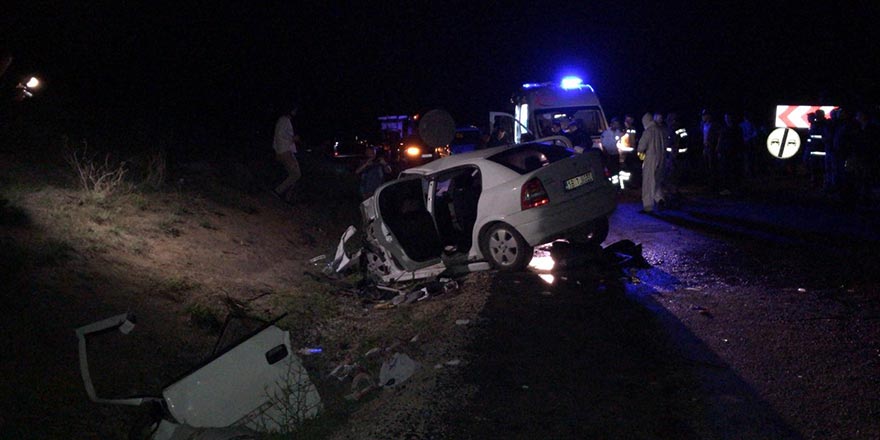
[676, 149]
[729, 154]
[862, 163]
[577, 135]
[284, 144]
[653, 145]
[610, 137]
[372, 172]
[710, 143]
[752, 145]
[628, 142]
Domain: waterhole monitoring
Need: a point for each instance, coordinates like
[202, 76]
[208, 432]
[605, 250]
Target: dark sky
[228, 67]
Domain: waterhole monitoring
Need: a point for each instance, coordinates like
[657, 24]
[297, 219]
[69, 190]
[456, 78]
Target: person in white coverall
[653, 145]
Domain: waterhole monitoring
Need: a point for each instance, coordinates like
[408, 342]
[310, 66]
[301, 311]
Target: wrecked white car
[481, 209]
[258, 385]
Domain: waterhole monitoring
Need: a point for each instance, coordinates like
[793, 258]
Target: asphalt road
[753, 321]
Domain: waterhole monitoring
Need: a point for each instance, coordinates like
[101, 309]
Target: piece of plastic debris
[399, 299]
[725, 340]
[801, 290]
[453, 362]
[342, 371]
[318, 258]
[450, 285]
[525, 387]
[372, 351]
[397, 370]
[415, 338]
[417, 295]
[308, 351]
[360, 386]
[693, 289]
[462, 321]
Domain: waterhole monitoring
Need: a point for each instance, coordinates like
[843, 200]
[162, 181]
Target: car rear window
[527, 158]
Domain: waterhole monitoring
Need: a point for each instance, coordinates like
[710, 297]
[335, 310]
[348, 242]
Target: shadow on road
[584, 359]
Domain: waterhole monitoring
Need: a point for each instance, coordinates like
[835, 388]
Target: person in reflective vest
[814, 150]
[627, 145]
[676, 154]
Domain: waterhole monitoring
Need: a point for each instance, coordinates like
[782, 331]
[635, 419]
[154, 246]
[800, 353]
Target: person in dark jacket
[499, 137]
[729, 153]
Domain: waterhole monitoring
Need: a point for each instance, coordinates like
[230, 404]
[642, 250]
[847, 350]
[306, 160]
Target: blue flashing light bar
[571, 82]
[568, 83]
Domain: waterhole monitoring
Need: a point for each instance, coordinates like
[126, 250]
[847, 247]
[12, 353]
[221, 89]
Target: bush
[95, 178]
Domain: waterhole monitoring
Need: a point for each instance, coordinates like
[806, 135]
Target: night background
[222, 71]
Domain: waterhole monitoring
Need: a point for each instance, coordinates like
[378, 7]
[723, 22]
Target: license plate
[577, 181]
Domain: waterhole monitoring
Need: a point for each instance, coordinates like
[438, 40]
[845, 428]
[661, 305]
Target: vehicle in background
[418, 139]
[345, 147]
[538, 105]
[467, 138]
[483, 209]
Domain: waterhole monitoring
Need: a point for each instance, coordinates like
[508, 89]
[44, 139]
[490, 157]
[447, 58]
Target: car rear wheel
[505, 248]
[594, 232]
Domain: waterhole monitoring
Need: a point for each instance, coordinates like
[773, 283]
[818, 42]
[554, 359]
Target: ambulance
[537, 106]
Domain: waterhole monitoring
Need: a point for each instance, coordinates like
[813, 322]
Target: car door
[402, 224]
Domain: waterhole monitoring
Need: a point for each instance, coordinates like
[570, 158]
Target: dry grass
[97, 179]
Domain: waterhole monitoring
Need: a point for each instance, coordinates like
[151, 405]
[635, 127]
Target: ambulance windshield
[590, 118]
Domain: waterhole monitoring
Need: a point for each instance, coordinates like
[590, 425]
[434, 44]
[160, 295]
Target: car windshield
[530, 157]
[590, 118]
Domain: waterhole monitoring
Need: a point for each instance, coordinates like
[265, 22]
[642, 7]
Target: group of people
[846, 163]
[654, 151]
[661, 156]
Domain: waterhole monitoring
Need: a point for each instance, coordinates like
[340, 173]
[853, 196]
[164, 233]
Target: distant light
[571, 82]
[413, 151]
[33, 83]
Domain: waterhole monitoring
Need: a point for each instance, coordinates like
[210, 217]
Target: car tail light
[533, 194]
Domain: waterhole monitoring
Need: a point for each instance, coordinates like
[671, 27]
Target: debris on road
[397, 370]
[308, 351]
[702, 310]
[342, 370]
[462, 321]
[361, 385]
